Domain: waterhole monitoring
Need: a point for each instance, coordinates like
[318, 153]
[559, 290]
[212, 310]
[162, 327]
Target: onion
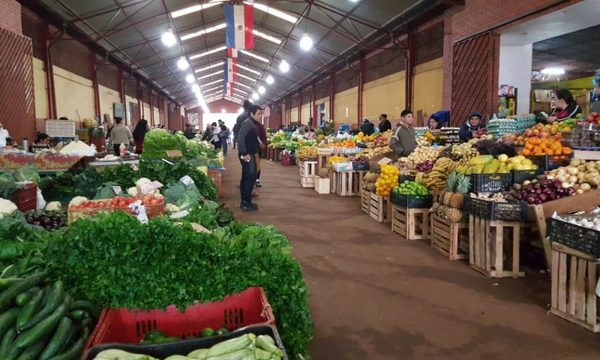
[562, 178]
[572, 170]
[565, 185]
[572, 179]
[543, 197]
[585, 187]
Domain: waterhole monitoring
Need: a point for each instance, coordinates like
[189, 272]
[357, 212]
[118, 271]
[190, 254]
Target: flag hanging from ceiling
[232, 53]
[230, 70]
[228, 89]
[240, 24]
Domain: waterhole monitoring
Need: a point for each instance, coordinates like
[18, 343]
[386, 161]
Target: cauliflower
[132, 191]
[54, 206]
[171, 208]
[7, 207]
[77, 200]
[142, 181]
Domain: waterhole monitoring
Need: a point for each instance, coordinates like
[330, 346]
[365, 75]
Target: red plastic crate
[217, 177]
[249, 307]
[26, 197]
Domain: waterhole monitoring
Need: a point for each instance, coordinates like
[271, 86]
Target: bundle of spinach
[87, 182]
[21, 246]
[123, 174]
[7, 186]
[57, 188]
[118, 262]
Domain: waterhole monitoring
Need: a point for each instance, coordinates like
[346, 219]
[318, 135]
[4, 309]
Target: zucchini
[24, 298]
[28, 311]
[53, 299]
[73, 352]
[242, 354]
[8, 296]
[266, 343]
[87, 307]
[7, 342]
[44, 327]
[32, 352]
[7, 320]
[231, 345]
[13, 353]
[59, 339]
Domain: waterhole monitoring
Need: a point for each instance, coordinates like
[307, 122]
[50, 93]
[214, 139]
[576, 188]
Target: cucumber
[53, 299]
[60, 337]
[78, 314]
[7, 342]
[24, 298]
[12, 353]
[8, 296]
[87, 307]
[7, 320]
[73, 352]
[44, 327]
[5, 283]
[29, 310]
[33, 351]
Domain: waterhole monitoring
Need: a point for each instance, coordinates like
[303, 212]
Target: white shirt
[216, 132]
[3, 135]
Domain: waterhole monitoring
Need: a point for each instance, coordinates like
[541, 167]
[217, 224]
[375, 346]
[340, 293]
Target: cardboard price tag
[117, 190]
[174, 153]
[384, 161]
[186, 180]
[156, 184]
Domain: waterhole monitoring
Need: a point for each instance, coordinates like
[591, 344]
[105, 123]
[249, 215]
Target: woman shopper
[403, 142]
[248, 148]
[139, 133]
[120, 135]
[566, 107]
[216, 136]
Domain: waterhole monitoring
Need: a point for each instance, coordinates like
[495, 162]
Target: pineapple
[434, 208]
[454, 215]
[441, 211]
[450, 186]
[462, 188]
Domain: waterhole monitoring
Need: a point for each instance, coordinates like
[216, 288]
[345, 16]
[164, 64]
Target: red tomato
[155, 201]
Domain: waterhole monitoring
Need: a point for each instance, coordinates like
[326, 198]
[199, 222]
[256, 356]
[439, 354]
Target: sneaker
[248, 207]
[258, 183]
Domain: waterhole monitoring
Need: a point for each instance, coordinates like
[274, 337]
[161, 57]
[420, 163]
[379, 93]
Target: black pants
[248, 179]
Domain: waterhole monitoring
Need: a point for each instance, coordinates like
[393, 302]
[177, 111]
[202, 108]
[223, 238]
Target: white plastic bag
[41, 203]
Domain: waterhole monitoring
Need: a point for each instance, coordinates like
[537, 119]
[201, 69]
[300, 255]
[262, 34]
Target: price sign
[117, 190]
[186, 180]
[384, 161]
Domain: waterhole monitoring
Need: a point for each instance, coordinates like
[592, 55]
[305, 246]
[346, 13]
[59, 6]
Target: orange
[526, 152]
[566, 150]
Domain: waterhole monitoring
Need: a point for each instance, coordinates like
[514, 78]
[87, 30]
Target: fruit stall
[520, 186]
[143, 262]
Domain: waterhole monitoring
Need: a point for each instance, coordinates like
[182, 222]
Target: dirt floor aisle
[377, 296]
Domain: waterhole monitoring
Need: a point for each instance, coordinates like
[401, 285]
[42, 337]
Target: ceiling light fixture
[255, 96]
[196, 89]
[189, 78]
[182, 64]
[223, 111]
[257, 57]
[270, 80]
[284, 66]
[209, 67]
[271, 11]
[191, 9]
[266, 37]
[246, 77]
[168, 38]
[203, 32]
[262, 90]
[553, 71]
[212, 51]
[211, 74]
[306, 43]
[247, 69]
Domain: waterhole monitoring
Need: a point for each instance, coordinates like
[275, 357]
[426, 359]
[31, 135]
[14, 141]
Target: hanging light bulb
[306, 43]
[270, 80]
[261, 90]
[255, 96]
[196, 89]
[284, 66]
[189, 78]
[168, 38]
[182, 64]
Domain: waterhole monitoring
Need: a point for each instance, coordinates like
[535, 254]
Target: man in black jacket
[367, 128]
[248, 147]
[240, 119]
[384, 123]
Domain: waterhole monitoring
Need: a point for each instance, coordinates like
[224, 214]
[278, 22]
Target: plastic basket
[493, 210]
[490, 182]
[151, 210]
[25, 197]
[162, 351]
[574, 236]
[520, 176]
[235, 311]
[411, 201]
[74, 215]
[550, 162]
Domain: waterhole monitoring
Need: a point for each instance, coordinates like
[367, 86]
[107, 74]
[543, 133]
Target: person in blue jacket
[473, 124]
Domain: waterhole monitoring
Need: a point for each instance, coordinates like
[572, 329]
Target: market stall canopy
[130, 31]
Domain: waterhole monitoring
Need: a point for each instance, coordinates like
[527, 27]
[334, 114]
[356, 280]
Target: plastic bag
[41, 203]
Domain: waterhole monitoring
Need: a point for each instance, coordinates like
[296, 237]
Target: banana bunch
[464, 151]
[307, 152]
[373, 152]
[436, 178]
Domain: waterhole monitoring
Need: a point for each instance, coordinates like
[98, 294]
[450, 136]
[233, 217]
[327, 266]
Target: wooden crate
[322, 185]
[307, 181]
[347, 183]
[412, 224]
[574, 278]
[322, 160]
[379, 208]
[486, 247]
[308, 168]
[446, 236]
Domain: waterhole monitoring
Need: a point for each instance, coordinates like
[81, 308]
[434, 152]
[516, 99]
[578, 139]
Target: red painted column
[361, 87]
[410, 66]
[51, 93]
[94, 74]
[121, 87]
[332, 96]
[300, 107]
[150, 96]
[140, 107]
[314, 107]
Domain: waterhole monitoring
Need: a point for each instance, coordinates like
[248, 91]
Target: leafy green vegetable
[123, 175]
[7, 186]
[57, 188]
[186, 197]
[166, 174]
[87, 182]
[27, 173]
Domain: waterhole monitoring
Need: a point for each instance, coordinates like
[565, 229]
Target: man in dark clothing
[471, 128]
[367, 128]
[248, 147]
[240, 119]
[384, 123]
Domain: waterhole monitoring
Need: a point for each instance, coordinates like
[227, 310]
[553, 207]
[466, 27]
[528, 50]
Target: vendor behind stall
[404, 142]
[439, 119]
[565, 106]
[4, 136]
[472, 128]
[596, 95]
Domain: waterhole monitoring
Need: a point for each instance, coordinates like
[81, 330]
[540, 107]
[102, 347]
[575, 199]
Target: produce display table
[574, 278]
[114, 163]
[322, 159]
[45, 162]
[446, 236]
[411, 223]
[308, 171]
[486, 247]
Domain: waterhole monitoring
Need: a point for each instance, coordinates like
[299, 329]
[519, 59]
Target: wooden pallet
[347, 183]
[308, 168]
[322, 161]
[446, 236]
[574, 278]
[412, 224]
[486, 247]
[379, 208]
[365, 201]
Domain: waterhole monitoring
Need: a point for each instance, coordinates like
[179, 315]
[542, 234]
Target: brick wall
[10, 16]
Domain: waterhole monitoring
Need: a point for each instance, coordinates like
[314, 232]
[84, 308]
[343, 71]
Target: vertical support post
[94, 74]
[150, 96]
[49, 71]
[410, 67]
[331, 96]
[313, 105]
[300, 107]
[137, 93]
[121, 87]
[361, 86]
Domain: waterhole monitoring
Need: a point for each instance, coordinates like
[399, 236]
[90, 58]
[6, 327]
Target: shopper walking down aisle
[239, 120]
[120, 135]
[404, 141]
[139, 133]
[248, 148]
[216, 136]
